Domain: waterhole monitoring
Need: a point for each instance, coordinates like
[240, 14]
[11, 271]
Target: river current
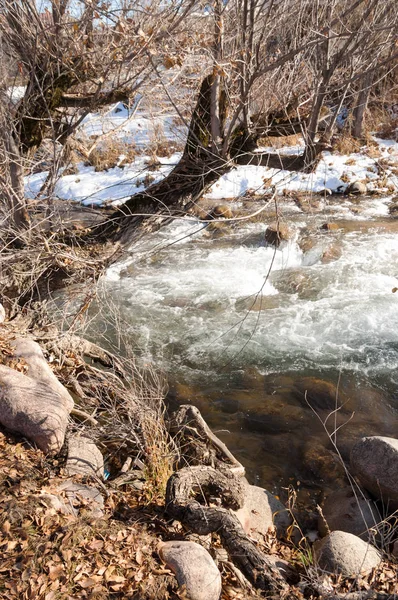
[269, 342]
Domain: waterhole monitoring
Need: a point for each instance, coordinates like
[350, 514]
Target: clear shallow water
[225, 317]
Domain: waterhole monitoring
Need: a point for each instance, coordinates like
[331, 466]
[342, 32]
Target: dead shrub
[281, 142]
[346, 144]
[112, 153]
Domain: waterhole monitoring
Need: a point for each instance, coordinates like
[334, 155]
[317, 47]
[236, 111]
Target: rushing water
[244, 330]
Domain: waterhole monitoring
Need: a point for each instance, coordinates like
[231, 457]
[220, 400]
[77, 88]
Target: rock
[331, 253]
[79, 495]
[34, 404]
[342, 552]
[277, 233]
[221, 211]
[322, 463]
[257, 303]
[330, 227]
[262, 512]
[344, 512]
[58, 504]
[318, 393]
[194, 569]
[84, 458]
[357, 188]
[374, 460]
[273, 415]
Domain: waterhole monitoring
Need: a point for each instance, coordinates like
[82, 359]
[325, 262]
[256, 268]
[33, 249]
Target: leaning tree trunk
[199, 167]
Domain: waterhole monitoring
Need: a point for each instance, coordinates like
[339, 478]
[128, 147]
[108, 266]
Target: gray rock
[262, 512]
[374, 460]
[78, 495]
[194, 568]
[357, 187]
[344, 511]
[342, 552]
[34, 403]
[84, 458]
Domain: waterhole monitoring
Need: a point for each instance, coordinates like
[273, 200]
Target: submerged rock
[318, 393]
[374, 460]
[194, 568]
[342, 552]
[345, 511]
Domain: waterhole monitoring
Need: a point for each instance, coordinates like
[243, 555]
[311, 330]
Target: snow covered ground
[142, 130]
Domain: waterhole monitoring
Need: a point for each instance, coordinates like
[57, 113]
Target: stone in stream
[194, 568]
[318, 393]
[330, 227]
[84, 458]
[262, 513]
[344, 510]
[322, 464]
[221, 211]
[331, 253]
[34, 403]
[277, 233]
[344, 553]
[374, 460]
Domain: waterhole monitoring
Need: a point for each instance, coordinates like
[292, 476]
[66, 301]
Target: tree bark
[361, 104]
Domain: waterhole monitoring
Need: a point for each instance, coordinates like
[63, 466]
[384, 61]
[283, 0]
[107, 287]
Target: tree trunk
[361, 104]
[13, 185]
[197, 170]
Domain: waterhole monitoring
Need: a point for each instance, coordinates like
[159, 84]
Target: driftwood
[188, 421]
[187, 488]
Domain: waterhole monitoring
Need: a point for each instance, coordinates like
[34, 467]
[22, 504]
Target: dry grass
[281, 142]
[112, 153]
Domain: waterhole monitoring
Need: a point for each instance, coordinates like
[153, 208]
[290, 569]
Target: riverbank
[86, 516]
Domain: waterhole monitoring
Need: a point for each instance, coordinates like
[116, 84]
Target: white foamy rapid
[189, 302]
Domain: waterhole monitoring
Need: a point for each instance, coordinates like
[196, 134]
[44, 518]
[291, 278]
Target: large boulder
[374, 460]
[262, 513]
[33, 402]
[346, 511]
[84, 458]
[194, 568]
[342, 552]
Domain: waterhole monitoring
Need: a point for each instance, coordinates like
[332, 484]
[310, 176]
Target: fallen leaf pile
[47, 555]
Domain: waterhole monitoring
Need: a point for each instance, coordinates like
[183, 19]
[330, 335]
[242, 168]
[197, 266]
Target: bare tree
[72, 58]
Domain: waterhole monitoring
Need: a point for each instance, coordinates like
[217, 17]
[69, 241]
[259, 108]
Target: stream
[291, 353]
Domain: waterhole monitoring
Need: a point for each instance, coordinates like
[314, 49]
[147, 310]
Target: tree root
[188, 420]
[189, 485]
